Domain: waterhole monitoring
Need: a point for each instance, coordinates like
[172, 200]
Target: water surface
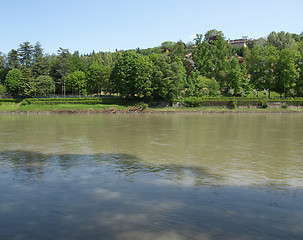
[157, 176]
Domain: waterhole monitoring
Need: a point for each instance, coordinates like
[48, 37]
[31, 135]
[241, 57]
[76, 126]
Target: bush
[233, 104]
[141, 105]
[264, 103]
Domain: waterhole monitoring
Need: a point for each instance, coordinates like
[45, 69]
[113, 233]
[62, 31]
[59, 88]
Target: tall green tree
[25, 52]
[76, 82]
[2, 60]
[169, 76]
[237, 78]
[27, 83]
[13, 59]
[262, 66]
[44, 85]
[60, 67]
[211, 56]
[12, 81]
[131, 75]
[40, 65]
[286, 72]
[98, 78]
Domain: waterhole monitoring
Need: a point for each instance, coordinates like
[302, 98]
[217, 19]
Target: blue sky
[127, 24]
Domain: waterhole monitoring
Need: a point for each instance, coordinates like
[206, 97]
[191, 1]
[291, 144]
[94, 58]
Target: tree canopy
[208, 66]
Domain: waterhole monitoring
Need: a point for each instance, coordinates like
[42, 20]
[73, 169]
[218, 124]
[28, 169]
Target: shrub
[264, 103]
[233, 104]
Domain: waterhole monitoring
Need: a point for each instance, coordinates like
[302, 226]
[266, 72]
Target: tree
[131, 75]
[13, 59]
[2, 90]
[3, 73]
[40, 65]
[98, 77]
[237, 78]
[199, 86]
[2, 60]
[37, 52]
[211, 55]
[44, 85]
[76, 82]
[281, 40]
[25, 52]
[213, 33]
[12, 81]
[27, 83]
[262, 65]
[168, 77]
[286, 72]
[60, 68]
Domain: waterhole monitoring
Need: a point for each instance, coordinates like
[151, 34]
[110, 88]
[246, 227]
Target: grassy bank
[113, 108]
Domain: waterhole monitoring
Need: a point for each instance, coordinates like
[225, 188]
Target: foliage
[197, 85]
[27, 83]
[168, 77]
[76, 82]
[131, 75]
[25, 53]
[281, 40]
[13, 59]
[2, 90]
[208, 67]
[98, 78]
[237, 79]
[12, 81]
[211, 56]
[44, 85]
[286, 71]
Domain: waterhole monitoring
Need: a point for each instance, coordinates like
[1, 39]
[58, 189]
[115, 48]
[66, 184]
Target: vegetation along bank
[211, 72]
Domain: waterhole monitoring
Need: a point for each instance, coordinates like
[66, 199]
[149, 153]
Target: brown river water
[151, 176]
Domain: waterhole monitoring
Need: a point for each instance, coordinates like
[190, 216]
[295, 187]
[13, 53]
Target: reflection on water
[119, 197]
[151, 177]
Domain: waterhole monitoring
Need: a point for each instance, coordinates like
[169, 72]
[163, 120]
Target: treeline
[210, 66]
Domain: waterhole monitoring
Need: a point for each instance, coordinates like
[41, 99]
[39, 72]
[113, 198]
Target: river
[151, 176]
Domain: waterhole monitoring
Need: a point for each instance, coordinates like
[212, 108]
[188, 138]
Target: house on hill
[238, 43]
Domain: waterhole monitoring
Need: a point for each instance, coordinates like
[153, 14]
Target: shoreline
[151, 111]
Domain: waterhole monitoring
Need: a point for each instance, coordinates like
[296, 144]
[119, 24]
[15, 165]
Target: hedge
[13, 100]
[87, 101]
[239, 102]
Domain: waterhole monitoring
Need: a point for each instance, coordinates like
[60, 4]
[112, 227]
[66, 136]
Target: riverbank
[14, 108]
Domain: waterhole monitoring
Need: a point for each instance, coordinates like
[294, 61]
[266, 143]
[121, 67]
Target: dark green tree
[76, 83]
[25, 52]
[44, 85]
[98, 78]
[131, 75]
[2, 90]
[286, 72]
[27, 83]
[2, 60]
[237, 78]
[40, 65]
[13, 59]
[262, 65]
[211, 57]
[12, 81]
[60, 67]
[168, 78]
